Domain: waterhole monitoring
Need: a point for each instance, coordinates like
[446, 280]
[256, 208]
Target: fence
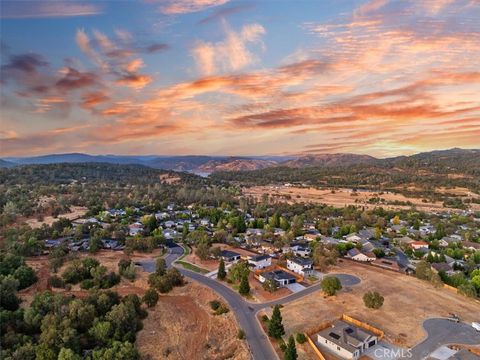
[364, 325]
[315, 348]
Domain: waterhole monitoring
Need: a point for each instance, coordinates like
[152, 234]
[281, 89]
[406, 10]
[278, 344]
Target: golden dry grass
[408, 302]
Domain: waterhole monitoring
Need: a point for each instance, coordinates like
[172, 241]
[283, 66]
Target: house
[354, 238]
[367, 234]
[404, 240]
[367, 247]
[161, 215]
[417, 245]
[300, 266]
[229, 256]
[447, 240]
[471, 245]
[252, 231]
[281, 277]
[301, 250]
[345, 340]
[442, 267]
[389, 264]
[204, 222]
[329, 240]
[52, 243]
[357, 255]
[135, 228]
[169, 224]
[259, 261]
[278, 232]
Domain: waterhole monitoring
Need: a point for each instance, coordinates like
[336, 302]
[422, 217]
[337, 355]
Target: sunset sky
[220, 77]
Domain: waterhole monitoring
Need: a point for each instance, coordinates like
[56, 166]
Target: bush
[301, 338]
[373, 300]
[264, 318]
[215, 304]
[56, 282]
[150, 298]
[330, 285]
[241, 334]
[87, 284]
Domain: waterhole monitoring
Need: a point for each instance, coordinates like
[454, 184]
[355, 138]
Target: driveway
[296, 287]
[442, 332]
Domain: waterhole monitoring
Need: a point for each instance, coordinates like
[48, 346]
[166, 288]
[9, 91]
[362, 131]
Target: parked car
[476, 326]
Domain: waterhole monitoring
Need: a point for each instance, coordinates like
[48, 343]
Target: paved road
[440, 331]
[258, 342]
[244, 311]
[443, 332]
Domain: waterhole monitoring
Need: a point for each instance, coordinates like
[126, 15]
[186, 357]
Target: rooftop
[347, 336]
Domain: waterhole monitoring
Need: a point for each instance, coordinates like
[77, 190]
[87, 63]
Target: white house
[301, 250]
[345, 340]
[300, 266]
[135, 228]
[353, 238]
[357, 255]
[280, 277]
[260, 261]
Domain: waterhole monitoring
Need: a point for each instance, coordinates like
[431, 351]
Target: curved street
[245, 311]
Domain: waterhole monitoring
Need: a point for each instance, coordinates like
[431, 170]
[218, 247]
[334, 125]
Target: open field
[408, 302]
[76, 212]
[344, 197]
[181, 326]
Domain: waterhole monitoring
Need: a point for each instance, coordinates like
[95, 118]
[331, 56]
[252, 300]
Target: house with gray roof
[345, 340]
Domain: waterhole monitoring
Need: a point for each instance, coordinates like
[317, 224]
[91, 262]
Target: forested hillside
[39, 190]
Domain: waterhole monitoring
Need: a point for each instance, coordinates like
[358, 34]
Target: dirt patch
[182, 326]
[169, 179]
[408, 302]
[75, 213]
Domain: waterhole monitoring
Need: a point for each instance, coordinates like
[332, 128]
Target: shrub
[373, 300]
[241, 334]
[330, 285]
[56, 282]
[301, 338]
[87, 284]
[215, 304]
[150, 298]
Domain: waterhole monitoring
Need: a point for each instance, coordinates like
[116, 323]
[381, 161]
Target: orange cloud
[172, 7]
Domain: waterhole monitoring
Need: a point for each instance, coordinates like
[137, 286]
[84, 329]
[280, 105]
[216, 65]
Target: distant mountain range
[209, 164]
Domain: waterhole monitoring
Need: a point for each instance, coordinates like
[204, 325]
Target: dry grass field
[408, 302]
[182, 326]
[76, 212]
[344, 197]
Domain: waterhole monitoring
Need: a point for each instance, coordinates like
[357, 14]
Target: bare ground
[408, 302]
[182, 326]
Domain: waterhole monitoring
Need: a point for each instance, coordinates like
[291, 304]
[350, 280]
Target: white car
[476, 326]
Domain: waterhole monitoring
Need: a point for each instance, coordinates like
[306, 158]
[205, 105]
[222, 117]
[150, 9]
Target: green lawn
[192, 267]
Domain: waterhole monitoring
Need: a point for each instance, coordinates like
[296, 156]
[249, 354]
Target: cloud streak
[47, 9]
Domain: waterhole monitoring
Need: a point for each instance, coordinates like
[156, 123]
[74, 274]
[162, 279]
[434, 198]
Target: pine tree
[291, 351]
[244, 288]
[221, 270]
[275, 326]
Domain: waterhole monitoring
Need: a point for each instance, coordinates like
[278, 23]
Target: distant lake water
[200, 173]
